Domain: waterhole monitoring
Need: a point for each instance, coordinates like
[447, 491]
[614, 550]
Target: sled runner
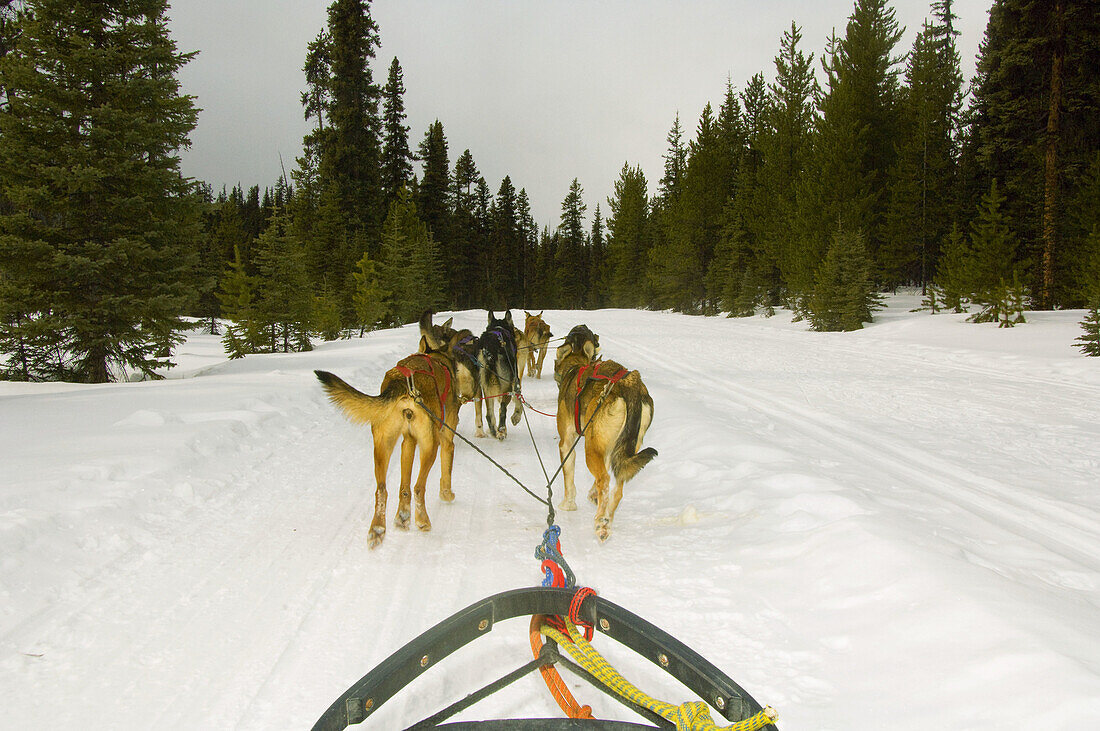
[423, 653]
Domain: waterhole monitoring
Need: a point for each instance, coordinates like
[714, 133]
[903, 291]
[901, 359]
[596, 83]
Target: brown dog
[536, 334]
[395, 413]
[464, 353]
[613, 429]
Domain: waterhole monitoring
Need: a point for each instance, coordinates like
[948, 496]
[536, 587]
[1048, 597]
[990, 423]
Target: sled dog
[537, 334]
[575, 343]
[613, 430]
[499, 371]
[464, 353]
[394, 413]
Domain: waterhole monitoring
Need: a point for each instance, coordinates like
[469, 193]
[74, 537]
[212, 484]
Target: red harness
[408, 373]
[611, 380]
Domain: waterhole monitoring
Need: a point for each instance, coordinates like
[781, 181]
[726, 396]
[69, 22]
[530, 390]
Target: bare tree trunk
[1050, 207]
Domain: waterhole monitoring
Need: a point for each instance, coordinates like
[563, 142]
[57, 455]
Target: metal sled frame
[402, 667]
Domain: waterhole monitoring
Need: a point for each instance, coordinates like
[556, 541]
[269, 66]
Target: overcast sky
[544, 91]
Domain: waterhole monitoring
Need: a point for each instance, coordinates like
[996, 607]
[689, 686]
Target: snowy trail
[897, 528]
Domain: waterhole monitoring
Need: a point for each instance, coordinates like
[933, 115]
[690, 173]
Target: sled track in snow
[1059, 529]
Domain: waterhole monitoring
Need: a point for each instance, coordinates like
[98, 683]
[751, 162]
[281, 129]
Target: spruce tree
[992, 250]
[244, 333]
[844, 295]
[396, 157]
[952, 274]
[628, 241]
[597, 274]
[98, 221]
[1090, 340]
[283, 302]
[408, 262]
[370, 298]
[572, 261]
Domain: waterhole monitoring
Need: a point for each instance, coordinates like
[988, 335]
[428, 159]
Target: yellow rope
[689, 716]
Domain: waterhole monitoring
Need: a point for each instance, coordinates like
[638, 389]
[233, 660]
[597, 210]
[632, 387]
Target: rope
[558, 689]
[436, 419]
[689, 716]
[527, 405]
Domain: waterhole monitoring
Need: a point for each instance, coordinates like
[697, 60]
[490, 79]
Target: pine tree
[952, 274]
[409, 262]
[283, 301]
[844, 295]
[572, 261]
[370, 297]
[244, 334]
[352, 151]
[396, 157]
[504, 265]
[106, 246]
[528, 241]
[992, 250]
[675, 162]
[468, 246]
[628, 241]
[598, 266]
[1090, 340]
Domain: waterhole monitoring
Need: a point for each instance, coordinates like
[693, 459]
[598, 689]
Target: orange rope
[557, 686]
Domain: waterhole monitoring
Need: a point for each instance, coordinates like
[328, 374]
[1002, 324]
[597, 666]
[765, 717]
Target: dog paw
[446, 496]
[423, 523]
[593, 496]
[567, 505]
[479, 432]
[501, 433]
[603, 529]
[401, 520]
[377, 533]
[516, 416]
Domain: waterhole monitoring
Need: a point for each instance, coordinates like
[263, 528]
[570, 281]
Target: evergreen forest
[829, 177]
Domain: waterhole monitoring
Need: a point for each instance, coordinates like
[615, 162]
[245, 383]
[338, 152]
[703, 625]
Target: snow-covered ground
[897, 528]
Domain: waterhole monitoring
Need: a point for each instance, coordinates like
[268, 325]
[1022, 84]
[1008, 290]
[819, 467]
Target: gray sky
[544, 91]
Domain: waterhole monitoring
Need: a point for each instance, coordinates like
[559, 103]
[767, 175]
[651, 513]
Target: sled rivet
[605, 625]
[369, 704]
[663, 659]
[483, 624]
[720, 702]
[424, 661]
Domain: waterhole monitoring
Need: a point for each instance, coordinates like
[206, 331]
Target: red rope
[527, 403]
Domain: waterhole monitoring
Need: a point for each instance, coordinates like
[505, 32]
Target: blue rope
[548, 549]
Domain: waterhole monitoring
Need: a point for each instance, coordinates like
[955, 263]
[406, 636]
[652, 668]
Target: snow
[895, 528]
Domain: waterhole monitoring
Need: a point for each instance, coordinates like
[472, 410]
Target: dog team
[420, 397]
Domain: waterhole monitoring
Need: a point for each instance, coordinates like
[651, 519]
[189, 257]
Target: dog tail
[625, 461]
[359, 407]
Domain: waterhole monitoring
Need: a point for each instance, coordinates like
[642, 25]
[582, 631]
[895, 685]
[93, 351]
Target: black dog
[499, 371]
[574, 343]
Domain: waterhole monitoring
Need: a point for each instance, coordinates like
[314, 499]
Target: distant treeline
[863, 168]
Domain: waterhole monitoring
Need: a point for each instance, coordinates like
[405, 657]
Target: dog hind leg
[428, 445]
[447, 447]
[595, 456]
[408, 448]
[383, 448]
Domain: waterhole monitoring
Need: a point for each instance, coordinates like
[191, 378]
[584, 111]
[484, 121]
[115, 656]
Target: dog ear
[491, 317]
[540, 313]
[423, 347]
[508, 316]
[527, 314]
[447, 324]
[590, 349]
[426, 320]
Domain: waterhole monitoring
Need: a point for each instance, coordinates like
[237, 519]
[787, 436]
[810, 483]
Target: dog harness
[408, 374]
[461, 345]
[595, 374]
